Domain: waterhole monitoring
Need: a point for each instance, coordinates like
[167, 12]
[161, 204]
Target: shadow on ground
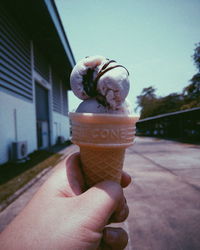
[10, 170]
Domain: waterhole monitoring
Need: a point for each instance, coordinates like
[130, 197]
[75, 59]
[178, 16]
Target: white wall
[60, 126]
[26, 124]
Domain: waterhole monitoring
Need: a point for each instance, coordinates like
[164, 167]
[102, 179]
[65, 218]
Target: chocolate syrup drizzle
[90, 85]
[103, 71]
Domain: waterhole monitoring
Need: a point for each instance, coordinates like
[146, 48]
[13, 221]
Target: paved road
[164, 197]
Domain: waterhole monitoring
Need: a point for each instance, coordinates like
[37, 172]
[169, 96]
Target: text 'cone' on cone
[102, 139]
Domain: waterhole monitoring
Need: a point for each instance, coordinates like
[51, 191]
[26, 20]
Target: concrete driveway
[164, 196]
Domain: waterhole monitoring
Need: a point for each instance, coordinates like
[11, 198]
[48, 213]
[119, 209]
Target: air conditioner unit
[19, 151]
[60, 140]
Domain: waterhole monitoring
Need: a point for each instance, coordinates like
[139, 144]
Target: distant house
[35, 64]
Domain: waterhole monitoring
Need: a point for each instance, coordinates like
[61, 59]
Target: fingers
[100, 201]
[104, 203]
[74, 183]
[75, 175]
[125, 179]
[114, 238]
[121, 213]
[75, 180]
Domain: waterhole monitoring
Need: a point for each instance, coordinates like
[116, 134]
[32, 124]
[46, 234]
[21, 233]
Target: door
[42, 116]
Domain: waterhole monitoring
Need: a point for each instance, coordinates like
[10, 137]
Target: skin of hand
[63, 215]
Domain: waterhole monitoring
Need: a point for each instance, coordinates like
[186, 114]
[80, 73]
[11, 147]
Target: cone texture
[102, 164]
[102, 139]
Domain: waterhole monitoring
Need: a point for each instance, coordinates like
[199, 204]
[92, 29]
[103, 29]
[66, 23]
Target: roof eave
[50, 4]
[168, 114]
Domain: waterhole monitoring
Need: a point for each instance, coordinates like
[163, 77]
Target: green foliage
[192, 93]
[151, 105]
[196, 56]
[159, 105]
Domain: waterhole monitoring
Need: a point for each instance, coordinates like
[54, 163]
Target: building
[35, 64]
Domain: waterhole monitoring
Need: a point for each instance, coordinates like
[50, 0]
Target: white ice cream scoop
[93, 106]
[100, 78]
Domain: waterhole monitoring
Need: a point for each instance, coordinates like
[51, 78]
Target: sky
[153, 39]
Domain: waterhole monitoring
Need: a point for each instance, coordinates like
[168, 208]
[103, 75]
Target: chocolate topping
[88, 83]
[102, 72]
[102, 100]
[106, 64]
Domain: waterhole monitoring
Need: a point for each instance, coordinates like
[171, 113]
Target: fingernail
[111, 234]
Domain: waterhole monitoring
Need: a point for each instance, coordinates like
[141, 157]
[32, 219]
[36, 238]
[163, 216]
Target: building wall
[60, 127]
[15, 58]
[23, 128]
[23, 63]
[60, 119]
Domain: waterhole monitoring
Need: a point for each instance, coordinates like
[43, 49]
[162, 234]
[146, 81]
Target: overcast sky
[153, 39]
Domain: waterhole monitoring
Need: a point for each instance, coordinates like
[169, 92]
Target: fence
[183, 124]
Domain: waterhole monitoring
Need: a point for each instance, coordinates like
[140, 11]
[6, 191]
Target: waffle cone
[102, 164]
[102, 139]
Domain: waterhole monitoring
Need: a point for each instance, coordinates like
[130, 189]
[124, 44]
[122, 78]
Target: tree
[152, 105]
[146, 96]
[196, 56]
[192, 91]
[146, 100]
[170, 103]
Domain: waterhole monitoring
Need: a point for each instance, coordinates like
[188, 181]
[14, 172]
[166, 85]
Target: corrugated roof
[169, 114]
[41, 21]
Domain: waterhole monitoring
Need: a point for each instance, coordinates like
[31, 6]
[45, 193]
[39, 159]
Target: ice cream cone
[102, 139]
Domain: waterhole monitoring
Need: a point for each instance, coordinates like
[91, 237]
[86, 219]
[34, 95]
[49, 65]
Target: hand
[63, 215]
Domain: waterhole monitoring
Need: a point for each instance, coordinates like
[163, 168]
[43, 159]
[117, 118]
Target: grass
[14, 176]
[10, 170]
[10, 187]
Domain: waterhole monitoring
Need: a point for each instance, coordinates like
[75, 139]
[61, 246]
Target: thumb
[99, 202]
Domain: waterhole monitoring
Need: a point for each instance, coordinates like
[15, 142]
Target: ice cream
[94, 106]
[102, 83]
[102, 125]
